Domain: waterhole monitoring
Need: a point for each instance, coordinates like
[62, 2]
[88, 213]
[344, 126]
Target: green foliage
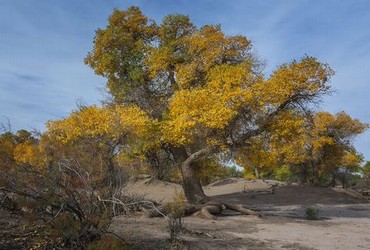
[284, 174]
[312, 213]
[211, 170]
[365, 170]
[233, 171]
[354, 180]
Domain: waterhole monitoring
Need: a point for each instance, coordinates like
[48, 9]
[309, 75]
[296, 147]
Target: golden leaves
[304, 79]
[208, 48]
[111, 122]
[211, 106]
[29, 153]
[198, 85]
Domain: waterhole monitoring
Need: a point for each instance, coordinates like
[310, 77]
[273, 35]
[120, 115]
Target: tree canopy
[203, 91]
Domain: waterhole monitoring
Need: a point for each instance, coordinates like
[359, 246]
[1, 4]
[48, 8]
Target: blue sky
[43, 43]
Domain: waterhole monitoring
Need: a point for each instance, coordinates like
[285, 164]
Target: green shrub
[283, 174]
[312, 213]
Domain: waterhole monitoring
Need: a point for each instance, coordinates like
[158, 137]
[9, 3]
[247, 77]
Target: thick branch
[197, 155]
[262, 127]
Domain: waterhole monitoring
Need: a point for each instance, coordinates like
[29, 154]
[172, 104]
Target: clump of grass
[175, 218]
[312, 213]
[107, 242]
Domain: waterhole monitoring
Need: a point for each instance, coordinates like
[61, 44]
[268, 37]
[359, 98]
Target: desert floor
[344, 219]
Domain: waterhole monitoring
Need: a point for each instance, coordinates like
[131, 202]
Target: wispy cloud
[43, 43]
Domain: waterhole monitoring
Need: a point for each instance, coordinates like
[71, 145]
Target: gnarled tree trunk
[198, 201]
[195, 194]
[192, 187]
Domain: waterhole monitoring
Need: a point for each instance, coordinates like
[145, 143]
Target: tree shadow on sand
[292, 201]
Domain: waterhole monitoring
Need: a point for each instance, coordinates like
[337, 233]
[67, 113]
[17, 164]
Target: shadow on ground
[292, 201]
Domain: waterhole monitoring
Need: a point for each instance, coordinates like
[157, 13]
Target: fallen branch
[125, 205]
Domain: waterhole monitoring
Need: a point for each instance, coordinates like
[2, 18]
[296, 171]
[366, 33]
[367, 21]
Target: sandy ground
[344, 223]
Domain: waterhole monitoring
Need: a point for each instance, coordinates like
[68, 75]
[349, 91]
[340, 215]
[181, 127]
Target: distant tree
[7, 146]
[314, 145]
[280, 145]
[365, 170]
[331, 145]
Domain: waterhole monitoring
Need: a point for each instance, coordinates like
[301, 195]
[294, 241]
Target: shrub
[175, 218]
[284, 174]
[107, 242]
[312, 213]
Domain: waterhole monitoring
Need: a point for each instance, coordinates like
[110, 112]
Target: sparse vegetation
[176, 210]
[312, 213]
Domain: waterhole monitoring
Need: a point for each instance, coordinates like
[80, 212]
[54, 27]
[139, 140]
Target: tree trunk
[256, 173]
[315, 173]
[334, 179]
[303, 174]
[110, 178]
[191, 184]
[192, 188]
[198, 201]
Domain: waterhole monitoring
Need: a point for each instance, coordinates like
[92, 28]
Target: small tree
[366, 170]
[330, 147]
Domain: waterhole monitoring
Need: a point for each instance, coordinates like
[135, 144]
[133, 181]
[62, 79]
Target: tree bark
[334, 179]
[199, 202]
[256, 173]
[192, 187]
[303, 174]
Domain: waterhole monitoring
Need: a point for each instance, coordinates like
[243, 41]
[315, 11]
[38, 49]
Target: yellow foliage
[207, 48]
[333, 133]
[29, 153]
[305, 77]
[351, 160]
[249, 175]
[111, 122]
[7, 146]
[212, 106]
[201, 87]
[282, 143]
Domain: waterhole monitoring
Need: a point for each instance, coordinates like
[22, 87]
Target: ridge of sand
[162, 191]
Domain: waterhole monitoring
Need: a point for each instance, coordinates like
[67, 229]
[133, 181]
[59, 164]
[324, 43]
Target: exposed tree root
[242, 210]
[209, 210]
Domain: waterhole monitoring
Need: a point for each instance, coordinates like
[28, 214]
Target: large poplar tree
[203, 91]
